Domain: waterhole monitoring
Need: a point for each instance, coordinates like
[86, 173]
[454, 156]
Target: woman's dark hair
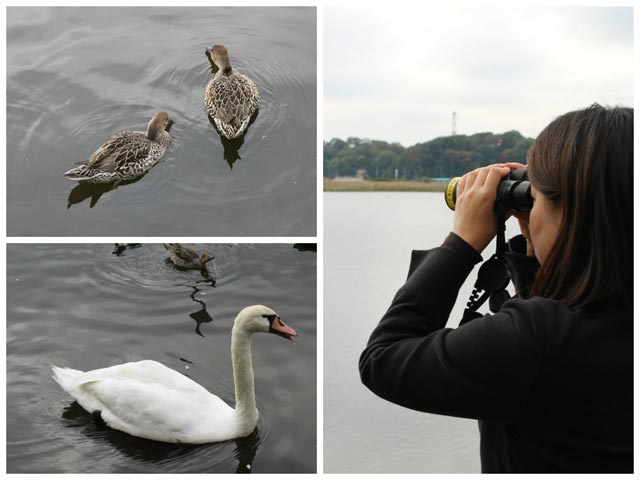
[583, 163]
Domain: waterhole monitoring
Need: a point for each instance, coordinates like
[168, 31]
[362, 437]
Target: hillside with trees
[441, 157]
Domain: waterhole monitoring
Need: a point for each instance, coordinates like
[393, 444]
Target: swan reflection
[212, 457]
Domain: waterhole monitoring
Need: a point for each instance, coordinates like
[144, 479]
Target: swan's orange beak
[280, 328]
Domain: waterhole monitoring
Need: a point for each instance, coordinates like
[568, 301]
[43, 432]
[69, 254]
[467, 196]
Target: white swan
[149, 400]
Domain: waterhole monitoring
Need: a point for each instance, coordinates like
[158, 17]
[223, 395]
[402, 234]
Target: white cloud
[398, 74]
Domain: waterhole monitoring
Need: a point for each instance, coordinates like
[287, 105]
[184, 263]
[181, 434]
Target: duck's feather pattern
[231, 99]
[182, 252]
[125, 155]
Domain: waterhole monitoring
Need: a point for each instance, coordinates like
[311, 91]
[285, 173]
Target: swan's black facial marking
[272, 318]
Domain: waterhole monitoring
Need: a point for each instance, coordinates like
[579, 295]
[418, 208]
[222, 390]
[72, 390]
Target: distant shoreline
[330, 185]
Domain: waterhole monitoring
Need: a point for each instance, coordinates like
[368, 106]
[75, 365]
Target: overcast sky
[398, 74]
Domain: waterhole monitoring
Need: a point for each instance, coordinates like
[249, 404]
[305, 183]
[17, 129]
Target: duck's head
[261, 319]
[220, 57]
[204, 258]
[159, 123]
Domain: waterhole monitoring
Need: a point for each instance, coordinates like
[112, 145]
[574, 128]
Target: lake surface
[76, 76]
[368, 238]
[83, 307]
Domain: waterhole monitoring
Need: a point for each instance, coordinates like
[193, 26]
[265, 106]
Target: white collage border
[320, 4]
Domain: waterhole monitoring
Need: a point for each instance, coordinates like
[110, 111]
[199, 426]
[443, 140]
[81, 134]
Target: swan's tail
[65, 377]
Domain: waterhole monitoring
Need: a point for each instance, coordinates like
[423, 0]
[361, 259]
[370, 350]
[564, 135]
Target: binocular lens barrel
[514, 191]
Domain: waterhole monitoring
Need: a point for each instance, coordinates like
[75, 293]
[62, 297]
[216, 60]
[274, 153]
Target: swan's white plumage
[149, 400]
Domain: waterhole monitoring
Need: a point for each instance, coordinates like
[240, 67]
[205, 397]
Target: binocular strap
[493, 276]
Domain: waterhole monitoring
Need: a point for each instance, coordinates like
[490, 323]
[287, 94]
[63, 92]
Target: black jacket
[552, 386]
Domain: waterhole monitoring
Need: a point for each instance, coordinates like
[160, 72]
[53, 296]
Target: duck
[126, 155]
[150, 400]
[231, 98]
[185, 257]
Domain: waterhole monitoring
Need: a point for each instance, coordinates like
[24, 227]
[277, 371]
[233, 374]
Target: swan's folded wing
[145, 372]
[155, 411]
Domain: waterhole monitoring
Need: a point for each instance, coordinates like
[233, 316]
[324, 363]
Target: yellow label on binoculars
[450, 193]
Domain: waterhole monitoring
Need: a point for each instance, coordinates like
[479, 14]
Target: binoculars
[514, 192]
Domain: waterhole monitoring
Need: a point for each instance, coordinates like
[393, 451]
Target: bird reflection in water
[94, 191]
[232, 147]
[120, 248]
[165, 456]
[200, 316]
[306, 247]
[246, 449]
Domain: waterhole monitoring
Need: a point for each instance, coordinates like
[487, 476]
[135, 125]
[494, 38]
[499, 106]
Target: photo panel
[164, 121]
[161, 358]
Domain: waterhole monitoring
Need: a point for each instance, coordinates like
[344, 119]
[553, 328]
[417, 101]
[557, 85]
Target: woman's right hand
[474, 219]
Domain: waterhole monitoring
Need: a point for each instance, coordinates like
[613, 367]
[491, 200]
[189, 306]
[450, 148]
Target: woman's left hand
[474, 220]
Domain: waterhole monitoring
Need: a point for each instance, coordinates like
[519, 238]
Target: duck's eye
[271, 318]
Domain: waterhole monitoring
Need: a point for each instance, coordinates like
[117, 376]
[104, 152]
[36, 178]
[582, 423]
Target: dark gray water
[80, 306]
[75, 76]
[362, 432]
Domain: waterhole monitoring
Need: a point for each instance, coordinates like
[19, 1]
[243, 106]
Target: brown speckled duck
[126, 155]
[185, 257]
[231, 98]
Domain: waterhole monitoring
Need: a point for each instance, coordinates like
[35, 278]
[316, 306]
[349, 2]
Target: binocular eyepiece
[514, 191]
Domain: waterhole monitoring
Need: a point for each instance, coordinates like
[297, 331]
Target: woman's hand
[474, 220]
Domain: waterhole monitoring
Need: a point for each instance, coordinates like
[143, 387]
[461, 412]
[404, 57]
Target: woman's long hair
[583, 163]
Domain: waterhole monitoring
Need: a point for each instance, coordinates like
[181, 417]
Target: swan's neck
[243, 374]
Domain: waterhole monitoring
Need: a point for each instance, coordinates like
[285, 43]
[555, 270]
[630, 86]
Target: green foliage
[441, 157]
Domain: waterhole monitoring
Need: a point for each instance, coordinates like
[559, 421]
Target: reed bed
[382, 186]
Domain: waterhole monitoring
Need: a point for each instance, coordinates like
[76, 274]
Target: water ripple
[110, 71]
[81, 306]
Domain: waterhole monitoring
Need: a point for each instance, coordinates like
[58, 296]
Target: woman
[550, 375]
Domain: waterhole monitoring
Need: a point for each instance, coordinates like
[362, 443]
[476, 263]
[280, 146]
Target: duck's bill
[280, 328]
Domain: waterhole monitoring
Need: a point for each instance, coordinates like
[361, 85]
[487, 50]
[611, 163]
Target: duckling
[126, 155]
[185, 257]
[231, 98]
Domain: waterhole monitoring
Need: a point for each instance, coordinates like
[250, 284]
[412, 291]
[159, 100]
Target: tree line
[441, 157]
